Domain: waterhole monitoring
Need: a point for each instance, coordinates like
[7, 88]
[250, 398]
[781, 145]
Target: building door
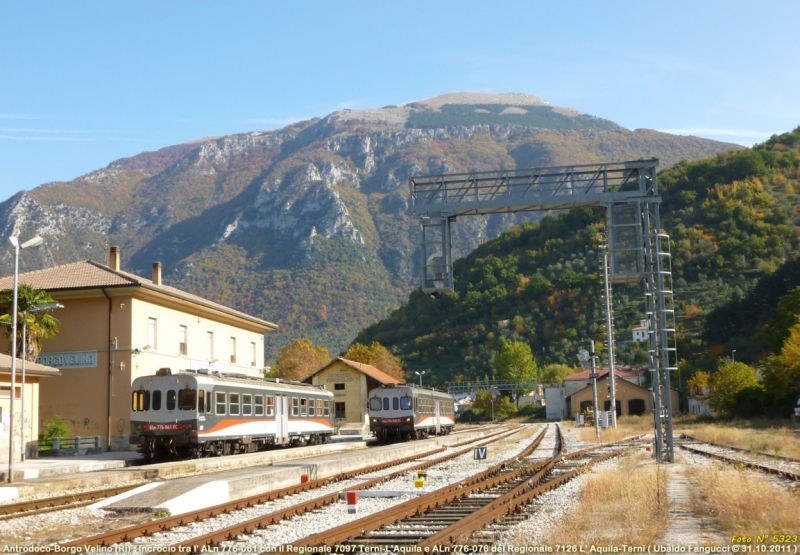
[339, 410]
[281, 419]
[636, 407]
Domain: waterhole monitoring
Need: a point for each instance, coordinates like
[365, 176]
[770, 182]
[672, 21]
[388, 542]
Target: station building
[116, 326]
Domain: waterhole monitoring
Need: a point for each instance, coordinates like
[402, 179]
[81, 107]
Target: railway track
[72, 501]
[452, 515]
[763, 462]
[129, 534]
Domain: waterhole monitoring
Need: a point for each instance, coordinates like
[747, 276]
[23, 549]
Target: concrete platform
[180, 496]
[58, 474]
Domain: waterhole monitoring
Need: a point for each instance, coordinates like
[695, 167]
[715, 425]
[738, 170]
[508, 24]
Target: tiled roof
[33, 368]
[367, 369]
[89, 275]
[583, 376]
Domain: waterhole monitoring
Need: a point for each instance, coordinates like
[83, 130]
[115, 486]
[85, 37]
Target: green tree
[729, 383]
[515, 362]
[555, 373]
[300, 358]
[38, 325]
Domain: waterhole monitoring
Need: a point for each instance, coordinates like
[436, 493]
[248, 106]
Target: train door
[281, 419]
[438, 419]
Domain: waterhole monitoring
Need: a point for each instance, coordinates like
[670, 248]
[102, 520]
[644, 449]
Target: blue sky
[85, 83]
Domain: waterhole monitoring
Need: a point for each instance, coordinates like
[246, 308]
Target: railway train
[197, 413]
[406, 412]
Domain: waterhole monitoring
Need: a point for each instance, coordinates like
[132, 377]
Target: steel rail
[214, 539]
[795, 476]
[742, 450]
[167, 523]
[417, 506]
[38, 506]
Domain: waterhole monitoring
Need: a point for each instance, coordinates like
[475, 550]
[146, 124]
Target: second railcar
[406, 412]
[200, 413]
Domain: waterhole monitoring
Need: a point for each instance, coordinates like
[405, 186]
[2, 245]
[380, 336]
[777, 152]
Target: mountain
[734, 226]
[308, 226]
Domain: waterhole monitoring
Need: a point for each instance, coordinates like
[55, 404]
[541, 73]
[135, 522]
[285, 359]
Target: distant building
[698, 402]
[642, 331]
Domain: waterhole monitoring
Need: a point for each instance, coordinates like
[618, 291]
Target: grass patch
[745, 504]
[627, 426]
[763, 436]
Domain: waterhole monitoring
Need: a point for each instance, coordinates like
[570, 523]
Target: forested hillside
[733, 219]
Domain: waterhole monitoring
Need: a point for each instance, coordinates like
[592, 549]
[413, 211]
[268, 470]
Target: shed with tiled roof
[350, 381]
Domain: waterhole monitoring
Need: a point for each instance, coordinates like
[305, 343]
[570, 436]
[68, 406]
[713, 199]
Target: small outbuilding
[350, 382]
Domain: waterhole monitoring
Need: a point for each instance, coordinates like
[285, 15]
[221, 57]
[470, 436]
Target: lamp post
[29, 243]
[31, 309]
[420, 374]
[733, 355]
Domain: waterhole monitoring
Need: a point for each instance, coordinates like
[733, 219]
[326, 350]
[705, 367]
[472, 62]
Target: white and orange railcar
[406, 412]
[192, 414]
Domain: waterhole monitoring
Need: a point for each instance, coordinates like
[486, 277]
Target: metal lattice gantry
[637, 248]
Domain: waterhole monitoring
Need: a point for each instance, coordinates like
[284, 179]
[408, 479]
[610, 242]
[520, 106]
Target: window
[270, 406]
[201, 401]
[385, 403]
[375, 404]
[157, 399]
[171, 399]
[395, 403]
[233, 350]
[319, 407]
[151, 333]
[295, 406]
[338, 386]
[186, 399]
[259, 405]
[339, 410]
[247, 404]
[141, 400]
[253, 353]
[311, 411]
[233, 404]
[220, 402]
[327, 407]
[405, 403]
[303, 407]
[210, 346]
[182, 340]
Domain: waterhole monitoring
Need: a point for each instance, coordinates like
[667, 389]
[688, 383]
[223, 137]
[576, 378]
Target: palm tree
[39, 325]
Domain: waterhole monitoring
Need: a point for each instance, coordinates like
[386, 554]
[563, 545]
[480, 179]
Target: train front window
[405, 403]
[141, 400]
[171, 399]
[187, 398]
[233, 405]
[395, 403]
[375, 404]
[220, 402]
[247, 404]
[385, 403]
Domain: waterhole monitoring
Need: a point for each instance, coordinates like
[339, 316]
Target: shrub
[52, 428]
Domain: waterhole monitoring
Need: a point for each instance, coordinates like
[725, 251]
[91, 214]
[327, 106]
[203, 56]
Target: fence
[67, 446]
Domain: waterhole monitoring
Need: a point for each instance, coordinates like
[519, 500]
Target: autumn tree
[732, 385]
[378, 356]
[515, 362]
[782, 374]
[555, 373]
[300, 358]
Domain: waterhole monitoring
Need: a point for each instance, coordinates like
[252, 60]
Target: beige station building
[116, 326]
[350, 382]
